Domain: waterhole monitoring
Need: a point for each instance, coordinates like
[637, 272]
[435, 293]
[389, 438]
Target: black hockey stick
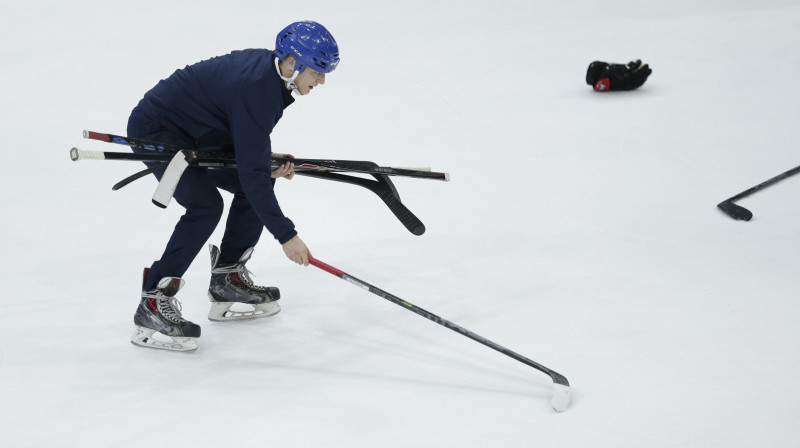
[129, 141]
[561, 394]
[381, 186]
[740, 213]
[220, 159]
[174, 165]
[139, 175]
[164, 152]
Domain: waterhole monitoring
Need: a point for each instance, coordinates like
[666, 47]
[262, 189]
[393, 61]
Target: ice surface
[579, 229]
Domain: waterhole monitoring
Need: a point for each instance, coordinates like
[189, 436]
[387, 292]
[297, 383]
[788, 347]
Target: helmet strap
[289, 81]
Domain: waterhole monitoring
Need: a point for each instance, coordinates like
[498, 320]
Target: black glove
[603, 76]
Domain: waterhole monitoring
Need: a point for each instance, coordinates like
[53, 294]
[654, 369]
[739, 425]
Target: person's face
[309, 79]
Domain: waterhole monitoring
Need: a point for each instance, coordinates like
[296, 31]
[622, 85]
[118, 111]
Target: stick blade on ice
[560, 400]
[736, 212]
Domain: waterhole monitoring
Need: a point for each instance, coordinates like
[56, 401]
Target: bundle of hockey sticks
[174, 160]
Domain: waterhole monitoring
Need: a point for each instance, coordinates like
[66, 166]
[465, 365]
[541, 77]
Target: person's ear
[290, 61]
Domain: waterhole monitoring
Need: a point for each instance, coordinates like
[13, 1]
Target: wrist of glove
[603, 76]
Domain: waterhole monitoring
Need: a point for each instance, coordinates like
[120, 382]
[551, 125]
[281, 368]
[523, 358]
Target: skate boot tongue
[246, 255]
[215, 255]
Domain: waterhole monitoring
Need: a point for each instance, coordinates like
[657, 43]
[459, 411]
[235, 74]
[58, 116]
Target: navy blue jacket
[235, 99]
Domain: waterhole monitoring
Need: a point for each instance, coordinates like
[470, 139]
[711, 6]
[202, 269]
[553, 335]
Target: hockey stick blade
[561, 393]
[139, 175]
[408, 219]
[169, 180]
[385, 190]
[736, 212]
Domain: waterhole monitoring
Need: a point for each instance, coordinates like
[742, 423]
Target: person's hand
[603, 76]
[296, 250]
[286, 170]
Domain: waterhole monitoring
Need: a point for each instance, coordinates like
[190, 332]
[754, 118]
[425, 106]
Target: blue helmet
[311, 45]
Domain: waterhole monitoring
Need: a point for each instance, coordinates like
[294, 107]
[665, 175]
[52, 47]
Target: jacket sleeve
[252, 120]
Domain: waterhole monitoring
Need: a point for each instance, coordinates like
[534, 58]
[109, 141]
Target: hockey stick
[139, 175]
[740, 213]
[128, 141]
[561, 393]
[381, 186]
[76, 154]
[163, 152]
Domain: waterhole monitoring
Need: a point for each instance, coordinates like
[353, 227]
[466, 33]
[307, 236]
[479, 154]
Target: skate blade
[222, 312]
[146, 337]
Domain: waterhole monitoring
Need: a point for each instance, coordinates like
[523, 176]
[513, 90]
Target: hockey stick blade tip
[736, 212]
[169, 180]
[560, 400]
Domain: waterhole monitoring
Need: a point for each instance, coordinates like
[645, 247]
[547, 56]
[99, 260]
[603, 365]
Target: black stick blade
[139, 175]
[736, 212]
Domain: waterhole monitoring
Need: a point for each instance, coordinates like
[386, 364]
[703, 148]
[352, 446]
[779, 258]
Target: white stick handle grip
[426, 168]
[78, 154]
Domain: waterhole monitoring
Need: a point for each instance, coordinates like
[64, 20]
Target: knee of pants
[206, 212]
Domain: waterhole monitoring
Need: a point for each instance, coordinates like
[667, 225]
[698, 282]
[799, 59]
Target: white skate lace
[244, 274]
[169, 307]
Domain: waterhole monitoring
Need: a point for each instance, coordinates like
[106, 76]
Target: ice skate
[231, 287]
[158, 319]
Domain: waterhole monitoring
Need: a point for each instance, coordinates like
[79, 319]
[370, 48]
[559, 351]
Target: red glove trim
[602, 85]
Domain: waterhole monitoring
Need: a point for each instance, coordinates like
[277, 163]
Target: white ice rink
[580, 229]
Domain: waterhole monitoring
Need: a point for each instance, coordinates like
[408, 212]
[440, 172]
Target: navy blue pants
[198, 193]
